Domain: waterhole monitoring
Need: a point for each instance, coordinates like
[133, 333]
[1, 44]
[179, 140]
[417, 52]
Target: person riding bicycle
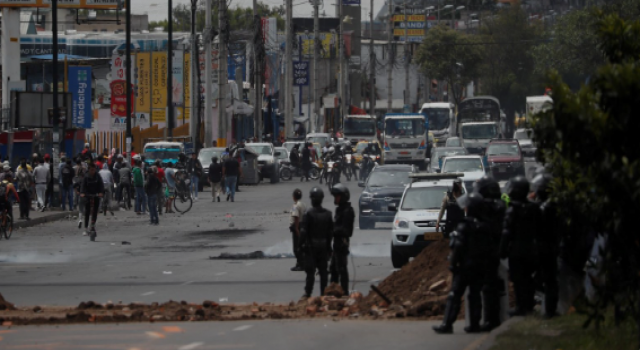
[92, 187]
[6, 189]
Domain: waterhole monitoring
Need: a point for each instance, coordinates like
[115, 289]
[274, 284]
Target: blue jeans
[153, 208]
[67, 196]
[194, 185]
[141, 200]
[230, 182]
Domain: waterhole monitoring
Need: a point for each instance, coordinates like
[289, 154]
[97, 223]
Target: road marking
[221, 273]
[191, 346]
[155, 335]
[242, 328]
[147, 294]
[187, 283]
[250, 263]
[172, 329]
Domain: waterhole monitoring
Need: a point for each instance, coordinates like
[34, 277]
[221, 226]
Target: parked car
[438, 153]
[283, 154]
[267, 162]
[414, 224]
[382, 187]
[469, 165]
[505, 159]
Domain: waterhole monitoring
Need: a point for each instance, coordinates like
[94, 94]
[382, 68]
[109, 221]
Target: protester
[138, 184]
[42, 176]
[25, 182]
[66, 185]
[231, 173]
[151, 188]
[215, 178]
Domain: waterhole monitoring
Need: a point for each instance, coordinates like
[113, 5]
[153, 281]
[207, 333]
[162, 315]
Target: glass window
[423, 198]
[388, 178]
[438, 118]
[462, 165]
[359, 126]
[265, 150]
[521, 135]
[404, 127]
[206, 155]
[480, 131]
[503, 149]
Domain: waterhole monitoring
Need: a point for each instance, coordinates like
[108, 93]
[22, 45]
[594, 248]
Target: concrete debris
[335, 290]
[441, 284]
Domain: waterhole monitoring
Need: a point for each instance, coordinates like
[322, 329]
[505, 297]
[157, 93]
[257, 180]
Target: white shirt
[41, 174]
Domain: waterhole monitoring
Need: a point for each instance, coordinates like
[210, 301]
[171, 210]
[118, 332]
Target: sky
[157, 9]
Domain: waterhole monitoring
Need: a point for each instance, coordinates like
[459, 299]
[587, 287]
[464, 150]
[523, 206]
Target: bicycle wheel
[8, 227]
[183, 202]
[285, 173]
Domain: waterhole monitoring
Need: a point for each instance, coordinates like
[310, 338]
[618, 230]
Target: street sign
[301, 73]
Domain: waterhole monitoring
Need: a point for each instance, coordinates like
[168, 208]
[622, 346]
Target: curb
[486, 342]
[41, 220]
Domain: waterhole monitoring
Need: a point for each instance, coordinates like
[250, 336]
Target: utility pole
[222, 73]
[341, 89]
[288, 79]
[316, 43]
[407, 59]
[390, 59]
[193, 86]
[257, 108]
[372, 62]
[56, 111]
[208, 38]
[169, 77]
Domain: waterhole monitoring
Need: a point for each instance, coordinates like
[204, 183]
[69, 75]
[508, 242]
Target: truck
[441, 120]
[479, 120]
[405, 139]
[359, 127]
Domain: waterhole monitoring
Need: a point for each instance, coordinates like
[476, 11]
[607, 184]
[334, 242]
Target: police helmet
[488, 187]
[342, 191]
[518, 188]
[541, 185]
[331, 149]
[473, 202]
[316, 193]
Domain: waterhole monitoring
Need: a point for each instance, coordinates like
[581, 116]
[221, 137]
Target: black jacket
[548, 239]
[470, 246]
[316, 230]
[92, 185]
[153, 185]
[343, 227]
[521, 226]
[215, 172]
[194, 167]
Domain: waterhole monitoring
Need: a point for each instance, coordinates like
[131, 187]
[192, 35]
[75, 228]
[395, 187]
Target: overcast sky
[157, 9]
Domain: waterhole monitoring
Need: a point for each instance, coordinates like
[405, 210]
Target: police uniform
[342, 232]
[316, 233]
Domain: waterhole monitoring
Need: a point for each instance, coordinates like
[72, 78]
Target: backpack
[3, 192]
[67, 176]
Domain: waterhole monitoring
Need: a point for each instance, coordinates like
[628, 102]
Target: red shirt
[160, 175]
[99, 165]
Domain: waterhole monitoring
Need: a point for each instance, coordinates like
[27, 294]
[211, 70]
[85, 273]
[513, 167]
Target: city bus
[441, 120]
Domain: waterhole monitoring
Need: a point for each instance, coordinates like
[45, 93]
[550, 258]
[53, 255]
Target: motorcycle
[368, 162]
[288, 171]
[333, 172]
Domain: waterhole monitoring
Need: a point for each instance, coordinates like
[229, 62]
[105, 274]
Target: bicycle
[182, 201]
[6, 225]
[126, 199]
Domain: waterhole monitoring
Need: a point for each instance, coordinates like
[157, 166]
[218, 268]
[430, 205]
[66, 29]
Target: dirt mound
[5, 305]
[420, 288]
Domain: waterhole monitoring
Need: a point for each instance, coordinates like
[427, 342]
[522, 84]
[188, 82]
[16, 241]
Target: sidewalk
[38, 217]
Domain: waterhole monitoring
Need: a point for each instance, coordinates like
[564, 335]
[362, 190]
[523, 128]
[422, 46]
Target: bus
[166, 152]
[479, 120]
[405, 139]
[441, 120]
[357, 128]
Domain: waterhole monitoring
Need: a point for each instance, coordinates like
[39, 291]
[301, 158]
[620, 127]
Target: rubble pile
[5, 305]
[419, 289]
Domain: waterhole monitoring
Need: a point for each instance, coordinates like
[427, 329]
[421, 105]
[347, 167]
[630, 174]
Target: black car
[384, 185]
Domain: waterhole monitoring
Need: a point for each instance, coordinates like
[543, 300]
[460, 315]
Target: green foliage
[589, 142]
[450, 55]
[508, 63]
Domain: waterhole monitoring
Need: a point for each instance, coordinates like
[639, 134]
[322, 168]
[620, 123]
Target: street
[53, 264]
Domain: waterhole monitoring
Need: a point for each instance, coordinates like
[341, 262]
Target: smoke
[32, 258]
[282, 249]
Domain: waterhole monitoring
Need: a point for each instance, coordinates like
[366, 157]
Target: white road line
[191, 346]
[187, 283]
[242, 328]
[147, 294]
[221, 273]
[250, 263]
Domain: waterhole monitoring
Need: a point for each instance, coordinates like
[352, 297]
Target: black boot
[475, 312]
[491, 310]
[450, 313]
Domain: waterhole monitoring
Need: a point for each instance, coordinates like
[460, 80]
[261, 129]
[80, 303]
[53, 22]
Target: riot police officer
[316, 234]
[521, 226]
[451, 207]
[548, 243]
[467, 259]
[342, 232]
[493, 286]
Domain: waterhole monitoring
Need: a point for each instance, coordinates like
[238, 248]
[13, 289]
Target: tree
[507, 70]
[588, 141]
[451, 56]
